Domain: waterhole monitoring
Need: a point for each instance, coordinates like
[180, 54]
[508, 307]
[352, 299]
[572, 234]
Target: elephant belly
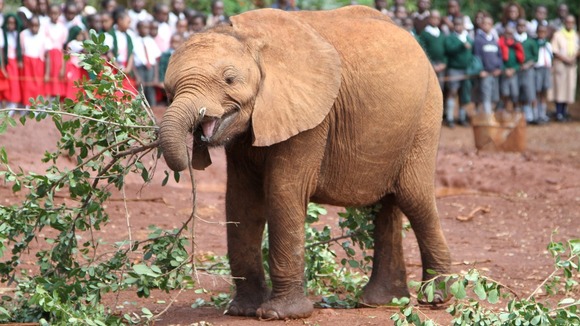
[360, 181]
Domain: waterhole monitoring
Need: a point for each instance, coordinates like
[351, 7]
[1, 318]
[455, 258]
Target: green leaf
[143, 269]
[176, 176]
[493, 296]
[3, 155]
[164, 182]
[480, 291]
[574, 246]
[567, 301]
[458, 290]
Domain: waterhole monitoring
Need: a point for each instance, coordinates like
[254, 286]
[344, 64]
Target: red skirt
[56, 86]
[32, 82]
[12, 93]
[74, 74]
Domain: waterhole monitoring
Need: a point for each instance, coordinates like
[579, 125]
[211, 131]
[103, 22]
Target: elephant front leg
[246, 220]
[286, 235]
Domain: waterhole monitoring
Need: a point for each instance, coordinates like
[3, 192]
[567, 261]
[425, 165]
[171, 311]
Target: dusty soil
[527, 196]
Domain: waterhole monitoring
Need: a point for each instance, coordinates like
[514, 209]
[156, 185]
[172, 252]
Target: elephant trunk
[178, 121]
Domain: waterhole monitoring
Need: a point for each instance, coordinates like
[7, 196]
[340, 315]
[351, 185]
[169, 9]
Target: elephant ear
[301, 74]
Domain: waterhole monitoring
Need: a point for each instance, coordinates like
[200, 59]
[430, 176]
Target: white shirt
[163, 37]
[545, 55]
[173, 18]
[136, 17]
[11, 40]
[145, 51]
[33, 46]
[121, 47]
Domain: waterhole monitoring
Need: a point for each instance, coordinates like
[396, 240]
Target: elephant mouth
[210, 126]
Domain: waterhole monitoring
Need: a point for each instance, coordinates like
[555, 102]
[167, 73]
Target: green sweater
[433, 46]
[530, 50]
[458, 56]
[512, 61]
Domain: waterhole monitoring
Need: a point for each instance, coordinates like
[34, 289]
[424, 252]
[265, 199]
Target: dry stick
[127, 216]
[192, 234]
[193, 209]
[80, 117]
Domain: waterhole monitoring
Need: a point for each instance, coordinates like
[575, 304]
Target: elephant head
[268, 73]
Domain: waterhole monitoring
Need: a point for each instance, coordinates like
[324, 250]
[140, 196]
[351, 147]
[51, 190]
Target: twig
[136, 150]
[127, 216]
[191, 217]
[168, 305]
[79, 116]
[472, 214]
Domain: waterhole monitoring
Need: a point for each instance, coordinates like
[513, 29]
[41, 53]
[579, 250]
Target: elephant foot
[440, 296]
[246, 305]
[376, 295]
[286, 307]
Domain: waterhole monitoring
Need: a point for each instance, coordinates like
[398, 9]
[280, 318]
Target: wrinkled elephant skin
[338, 107]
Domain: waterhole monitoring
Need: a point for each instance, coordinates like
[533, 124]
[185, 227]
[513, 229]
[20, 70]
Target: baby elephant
[338, 107]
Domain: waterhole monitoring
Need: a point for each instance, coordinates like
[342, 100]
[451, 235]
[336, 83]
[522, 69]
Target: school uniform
[76, 21]
[543, 66]
[163, 37]
[137, 17]
[74, 72]
[433, 42]
[122, 51]
[174, 18]
[34, 49]
[458, 60]
[12, 52]
[56, 35]
[543, 76]
[485, 47]
[526, 76]
[146, 55]
[513, 56]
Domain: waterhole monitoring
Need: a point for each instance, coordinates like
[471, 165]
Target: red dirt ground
[528, 195]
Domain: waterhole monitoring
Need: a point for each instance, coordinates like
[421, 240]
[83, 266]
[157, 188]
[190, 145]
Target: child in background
[164, 31]
[74, 72]
[196, 23]
[512, 54]
[433, 42]
[35, 61]
[146, 55]
[26, 11]
[11, 61]
[71, 16]
[458, 47]
[176, 41]
[107, 28]
[181, 27]
[485, 47]
[526, 76]
[56, 34]
[543, 74]
[42, 12]
[123, 47]
[138, 13]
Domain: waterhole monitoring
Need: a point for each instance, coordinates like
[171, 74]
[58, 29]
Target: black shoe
[463, 123]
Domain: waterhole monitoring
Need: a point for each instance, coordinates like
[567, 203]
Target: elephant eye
[230, 80]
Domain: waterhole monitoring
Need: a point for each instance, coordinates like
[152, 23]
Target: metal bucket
[502, 131]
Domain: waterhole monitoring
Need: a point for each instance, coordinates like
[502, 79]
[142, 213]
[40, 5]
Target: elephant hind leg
[388, 279]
